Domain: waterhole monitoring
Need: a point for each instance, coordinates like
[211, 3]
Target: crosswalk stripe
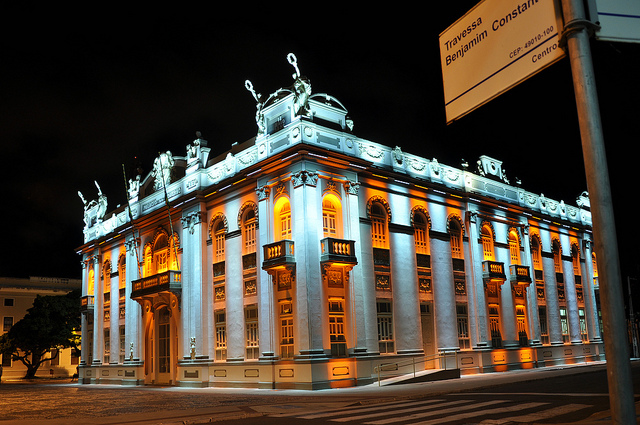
[462, 416]
[356, 408]
[359, 409]
[399, 412]
[437, 412]
[538, 416]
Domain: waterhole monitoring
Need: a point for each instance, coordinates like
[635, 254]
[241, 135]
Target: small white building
[307, 256]
[16, 297]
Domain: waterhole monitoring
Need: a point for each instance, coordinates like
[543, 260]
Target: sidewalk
[161, 405]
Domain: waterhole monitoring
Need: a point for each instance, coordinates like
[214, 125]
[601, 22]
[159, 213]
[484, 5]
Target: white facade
[307, 256]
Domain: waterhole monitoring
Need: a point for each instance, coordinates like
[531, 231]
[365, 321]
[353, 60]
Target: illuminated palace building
[306, 257]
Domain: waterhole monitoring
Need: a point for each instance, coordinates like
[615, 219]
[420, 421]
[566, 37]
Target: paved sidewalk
[58, 403]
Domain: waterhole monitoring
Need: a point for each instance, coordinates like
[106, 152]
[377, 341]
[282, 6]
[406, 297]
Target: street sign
[495, 46]
[619, 20]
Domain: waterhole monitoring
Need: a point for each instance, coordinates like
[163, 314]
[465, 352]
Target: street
[563, 394]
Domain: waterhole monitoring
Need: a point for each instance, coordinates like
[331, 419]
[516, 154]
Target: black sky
[81, 97]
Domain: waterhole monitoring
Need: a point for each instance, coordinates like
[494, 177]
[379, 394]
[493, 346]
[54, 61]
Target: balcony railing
[493, 270]
[278, 254]
[338, 251]
[519, 274]
[86, 304]
[170, 281]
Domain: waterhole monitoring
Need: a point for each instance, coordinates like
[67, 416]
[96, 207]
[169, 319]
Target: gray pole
[606, 245]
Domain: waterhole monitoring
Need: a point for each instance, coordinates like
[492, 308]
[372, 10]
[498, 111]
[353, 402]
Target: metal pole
[606, 245]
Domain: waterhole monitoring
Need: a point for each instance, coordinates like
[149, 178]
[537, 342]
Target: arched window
[148, 260]
[331, 217]
[575, 257]
[283, 219]
[420, 233]
[557, 260]
[161, 253]
[487, 243]
[455, 233]
[514, 246]
[218, 241]
[536, 254]
[106, 273]
[378, 225]
[90, 281]
[122, 271]
[249, 225]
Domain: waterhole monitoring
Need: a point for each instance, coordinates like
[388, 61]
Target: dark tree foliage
[52, 322]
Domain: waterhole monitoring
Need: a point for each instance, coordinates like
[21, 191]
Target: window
[420, 234]
[219, 238]
[249, 231]
[283, 219]
[557, 261]
[535, 254]
[107, 345]
[331, 217]
[286, 329]
[385, 327]
[494, 325]
[583, 324]
[575, 257]
[514, 247]
[122, 344]
[487, 243]
[378, 225]
[463, 326]
[161, 254]
[455, 232]
[90, 282]
[7, 323]
[564, 323]
[336, 327]
[8, 302]
[251, 327]
[544, 332]
[521, 323]
[122, 277]
[221, 335]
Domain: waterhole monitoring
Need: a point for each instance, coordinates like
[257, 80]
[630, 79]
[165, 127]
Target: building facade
[16, 297]
[306, 257]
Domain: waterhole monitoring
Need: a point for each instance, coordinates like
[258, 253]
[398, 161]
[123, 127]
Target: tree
[52, 322]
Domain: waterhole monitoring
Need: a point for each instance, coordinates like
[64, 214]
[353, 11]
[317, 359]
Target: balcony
[169, 281]
[493, 270]
[519, 274]
[278, 254]
[86, 304]
[338, 251]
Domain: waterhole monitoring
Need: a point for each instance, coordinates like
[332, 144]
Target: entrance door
[428, 337]
[163, 352]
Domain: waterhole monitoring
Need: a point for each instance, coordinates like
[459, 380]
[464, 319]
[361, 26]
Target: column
[404, 280]
[266, 312]
[361, 289]
[591, 310]
[551, 290]
[570, 294]
[531, 291]
[134, 338]
[234, 296]
[192, 280]
[98, 312]
[310, 294]
[478, 320]
[84, 342]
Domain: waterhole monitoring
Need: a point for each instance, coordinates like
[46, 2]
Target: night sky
[81, 97]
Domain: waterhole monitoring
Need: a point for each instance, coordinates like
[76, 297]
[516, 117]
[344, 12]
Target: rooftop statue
[162, 170]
